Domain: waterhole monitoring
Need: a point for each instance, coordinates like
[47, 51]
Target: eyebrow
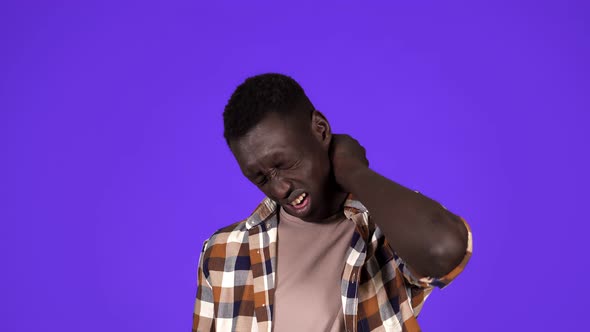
[272, 157]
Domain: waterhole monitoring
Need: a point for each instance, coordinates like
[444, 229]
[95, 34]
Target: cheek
[317, 169]
[321, 170]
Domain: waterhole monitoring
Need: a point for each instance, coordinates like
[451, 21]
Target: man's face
[288, 159]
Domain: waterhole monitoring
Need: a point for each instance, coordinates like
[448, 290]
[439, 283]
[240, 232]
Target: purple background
[114, 169]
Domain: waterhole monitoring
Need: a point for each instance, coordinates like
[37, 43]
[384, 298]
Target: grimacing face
[287, 158]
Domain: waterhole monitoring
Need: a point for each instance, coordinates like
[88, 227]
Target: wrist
[353, 176]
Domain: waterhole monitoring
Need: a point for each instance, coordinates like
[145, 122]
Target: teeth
[299, 199]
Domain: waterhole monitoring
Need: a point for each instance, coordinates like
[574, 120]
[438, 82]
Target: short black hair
[258, 96]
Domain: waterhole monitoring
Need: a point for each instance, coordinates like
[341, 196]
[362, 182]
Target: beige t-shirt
[310, 261]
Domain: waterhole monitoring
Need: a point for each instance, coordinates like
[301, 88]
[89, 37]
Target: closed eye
[260, 181]
[288, 165]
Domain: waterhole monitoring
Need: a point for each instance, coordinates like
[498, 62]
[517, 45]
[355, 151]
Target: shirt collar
[269, 208]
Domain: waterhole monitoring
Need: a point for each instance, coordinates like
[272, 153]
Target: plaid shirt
[236, 277]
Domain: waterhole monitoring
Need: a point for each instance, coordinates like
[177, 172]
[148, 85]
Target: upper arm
[203, 315]
[427, 281]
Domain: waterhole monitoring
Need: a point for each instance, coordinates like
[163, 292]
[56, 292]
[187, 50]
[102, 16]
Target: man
[334, 246]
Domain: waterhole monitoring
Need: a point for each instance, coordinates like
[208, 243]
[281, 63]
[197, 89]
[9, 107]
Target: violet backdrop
[114, 169]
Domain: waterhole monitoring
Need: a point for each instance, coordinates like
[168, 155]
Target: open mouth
[300, 201]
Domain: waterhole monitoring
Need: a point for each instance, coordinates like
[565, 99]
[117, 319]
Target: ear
[320, 127]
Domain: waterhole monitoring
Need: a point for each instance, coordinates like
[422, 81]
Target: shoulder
[238, 232]
[225, 234]
[227, 244]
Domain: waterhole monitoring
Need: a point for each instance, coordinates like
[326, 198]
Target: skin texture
[285, 156]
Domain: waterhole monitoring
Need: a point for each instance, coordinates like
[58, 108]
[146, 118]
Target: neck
[335, 209]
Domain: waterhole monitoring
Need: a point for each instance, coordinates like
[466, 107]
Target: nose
[280, 187]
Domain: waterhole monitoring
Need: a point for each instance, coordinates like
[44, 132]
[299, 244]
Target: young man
[334, 246]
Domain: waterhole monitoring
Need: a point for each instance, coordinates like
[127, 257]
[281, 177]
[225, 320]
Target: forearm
[429, 238]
